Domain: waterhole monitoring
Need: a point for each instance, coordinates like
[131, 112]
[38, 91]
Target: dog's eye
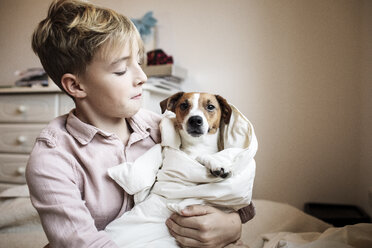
[184, 106]
[210, 107]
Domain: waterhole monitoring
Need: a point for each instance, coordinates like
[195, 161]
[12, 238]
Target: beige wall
[18, 18]
[293, 67]
[365, 172]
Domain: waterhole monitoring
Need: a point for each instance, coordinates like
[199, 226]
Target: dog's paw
[220, 173]
[216, 167]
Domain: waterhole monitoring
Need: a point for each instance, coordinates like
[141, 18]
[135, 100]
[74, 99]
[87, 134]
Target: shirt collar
[84, 133]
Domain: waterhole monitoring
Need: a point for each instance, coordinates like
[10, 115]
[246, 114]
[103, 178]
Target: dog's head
[198, 113]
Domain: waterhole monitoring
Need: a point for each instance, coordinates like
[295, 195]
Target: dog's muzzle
[195, 126]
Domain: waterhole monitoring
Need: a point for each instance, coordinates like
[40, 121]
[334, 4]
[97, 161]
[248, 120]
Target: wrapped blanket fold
[165, 179]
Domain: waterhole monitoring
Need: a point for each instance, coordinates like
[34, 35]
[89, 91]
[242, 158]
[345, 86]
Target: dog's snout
[195, 121]
[195, 126]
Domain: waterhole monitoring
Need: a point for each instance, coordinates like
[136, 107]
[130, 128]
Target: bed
[276, 225]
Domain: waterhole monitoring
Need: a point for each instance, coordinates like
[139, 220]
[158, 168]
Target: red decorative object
[158, 57]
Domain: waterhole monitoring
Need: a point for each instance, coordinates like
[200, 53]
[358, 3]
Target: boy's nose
[141, 77]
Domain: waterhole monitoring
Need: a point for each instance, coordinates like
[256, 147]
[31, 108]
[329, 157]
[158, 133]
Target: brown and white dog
[198, 120]
[165, 180]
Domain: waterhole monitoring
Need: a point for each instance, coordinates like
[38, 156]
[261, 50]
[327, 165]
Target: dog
[205, 157]
[198, 120]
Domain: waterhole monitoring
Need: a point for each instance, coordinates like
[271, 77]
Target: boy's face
[113, 83]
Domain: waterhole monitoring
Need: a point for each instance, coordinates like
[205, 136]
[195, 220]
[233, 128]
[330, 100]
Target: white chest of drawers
[25, 112]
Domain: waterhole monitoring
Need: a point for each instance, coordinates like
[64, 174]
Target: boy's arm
[247, 213]
[66, 220]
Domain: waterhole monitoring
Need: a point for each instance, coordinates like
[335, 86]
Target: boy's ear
[72, 86]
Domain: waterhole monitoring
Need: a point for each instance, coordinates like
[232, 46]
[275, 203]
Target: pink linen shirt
[68, 181]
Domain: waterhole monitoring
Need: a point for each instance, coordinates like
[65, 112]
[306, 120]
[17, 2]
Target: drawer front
[28, 107]
[12, 168]
[65, 104]
[19, 138]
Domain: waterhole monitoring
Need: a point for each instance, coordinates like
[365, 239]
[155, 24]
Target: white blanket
[180, 182]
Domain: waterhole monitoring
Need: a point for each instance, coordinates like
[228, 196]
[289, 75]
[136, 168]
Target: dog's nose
[195, 121]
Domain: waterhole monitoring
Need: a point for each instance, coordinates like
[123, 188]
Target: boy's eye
[120, 73]
[210, 107]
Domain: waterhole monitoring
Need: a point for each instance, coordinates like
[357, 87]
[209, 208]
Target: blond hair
[73, 31]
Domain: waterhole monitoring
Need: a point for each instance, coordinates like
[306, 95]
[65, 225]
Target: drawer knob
[22, 109]
[21, 139]
[21, 170]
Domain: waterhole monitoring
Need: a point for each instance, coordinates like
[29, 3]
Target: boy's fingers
[181, 231]
[197, 210]
[185, 241]
[186, 222]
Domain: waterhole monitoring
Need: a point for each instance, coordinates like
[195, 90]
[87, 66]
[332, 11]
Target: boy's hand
[204, 226]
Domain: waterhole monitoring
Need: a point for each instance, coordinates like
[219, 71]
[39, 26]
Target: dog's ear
[170, 102]
[225, 109]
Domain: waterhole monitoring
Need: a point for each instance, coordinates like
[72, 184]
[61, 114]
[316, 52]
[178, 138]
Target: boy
[93, 54]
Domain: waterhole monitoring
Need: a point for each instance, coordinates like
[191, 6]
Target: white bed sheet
[275, 225]
[279, 225]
